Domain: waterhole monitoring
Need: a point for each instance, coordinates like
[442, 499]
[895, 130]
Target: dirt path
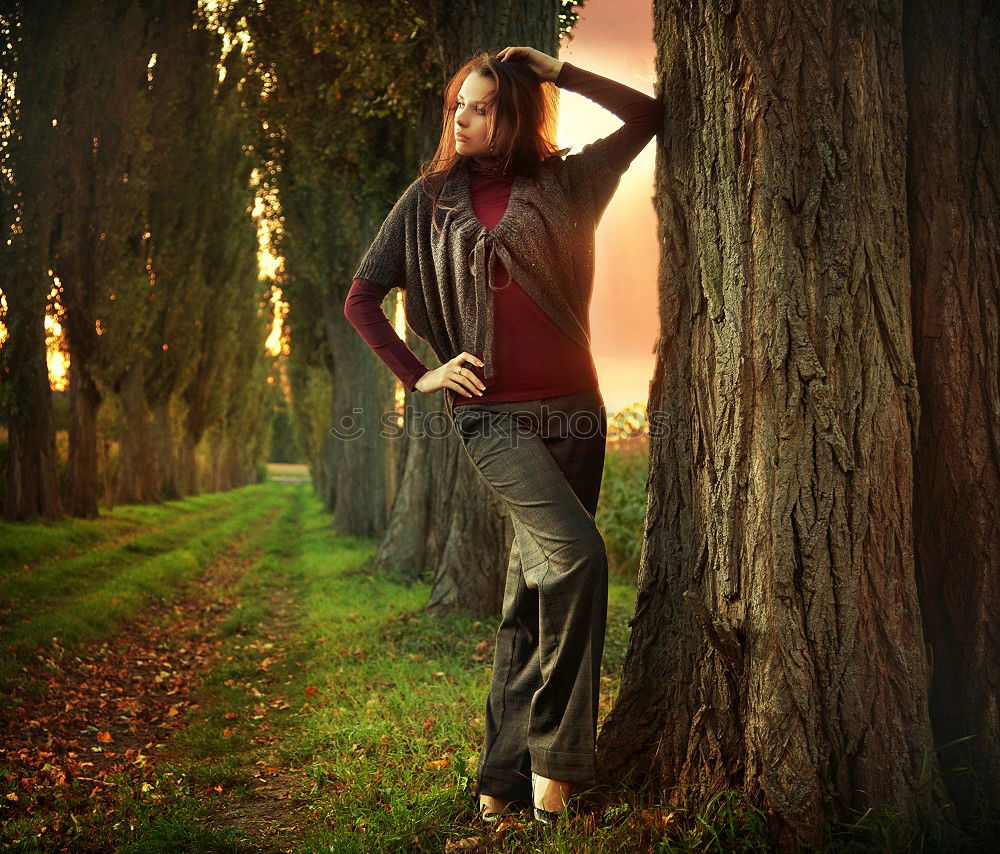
[89, 721]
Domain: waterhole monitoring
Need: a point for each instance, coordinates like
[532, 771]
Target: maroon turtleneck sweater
[533, 358]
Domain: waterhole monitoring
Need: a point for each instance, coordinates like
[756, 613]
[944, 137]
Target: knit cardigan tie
[483, 255]
[481, 262]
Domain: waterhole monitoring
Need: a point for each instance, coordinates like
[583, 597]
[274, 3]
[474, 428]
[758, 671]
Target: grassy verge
[23, 544]
[65, 600]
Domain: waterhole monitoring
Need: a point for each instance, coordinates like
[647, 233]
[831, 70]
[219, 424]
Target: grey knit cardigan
[545, 240]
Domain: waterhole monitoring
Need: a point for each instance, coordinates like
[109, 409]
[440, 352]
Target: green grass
[621, 510]
[86, 593]
[24, 543]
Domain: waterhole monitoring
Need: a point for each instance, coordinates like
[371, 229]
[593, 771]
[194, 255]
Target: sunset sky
[615, 38]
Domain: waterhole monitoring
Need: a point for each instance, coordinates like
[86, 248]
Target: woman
[500, 288]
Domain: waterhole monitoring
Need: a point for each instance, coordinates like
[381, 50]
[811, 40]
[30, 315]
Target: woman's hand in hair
[545, 66]
[463, 381]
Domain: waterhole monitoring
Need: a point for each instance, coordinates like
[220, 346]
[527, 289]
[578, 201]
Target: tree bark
[362, 393]
[953, 91]
[31, 482]
[139, 464]
[31, 485]
[165, 448]
[777, 644]
[81, 479]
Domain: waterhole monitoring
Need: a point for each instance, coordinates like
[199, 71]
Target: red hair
[521, 122]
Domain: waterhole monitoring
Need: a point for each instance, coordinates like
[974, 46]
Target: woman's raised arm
[642, 113]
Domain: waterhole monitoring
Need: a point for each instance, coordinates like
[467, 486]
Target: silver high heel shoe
[544, 816]
[489, 816]
[511, 808]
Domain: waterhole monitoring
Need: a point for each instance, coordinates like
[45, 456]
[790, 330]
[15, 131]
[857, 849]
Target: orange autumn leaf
[104, 737]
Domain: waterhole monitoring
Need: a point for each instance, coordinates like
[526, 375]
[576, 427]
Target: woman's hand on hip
[455, 375]
[545, 66]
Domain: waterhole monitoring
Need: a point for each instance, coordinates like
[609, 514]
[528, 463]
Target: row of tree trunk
[125, 208]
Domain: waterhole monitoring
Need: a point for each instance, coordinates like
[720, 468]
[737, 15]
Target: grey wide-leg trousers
[545, 459]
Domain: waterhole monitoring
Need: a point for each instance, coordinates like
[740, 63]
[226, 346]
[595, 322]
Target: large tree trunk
[445, 519]
[27, 55]
[777, 644]
[81, 478]
[187, 463]
[30, 480]
[165, 450]
[356, 451]
[953, 91]
[139, 462]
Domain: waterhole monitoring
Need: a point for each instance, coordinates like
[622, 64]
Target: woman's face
[471, 108]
